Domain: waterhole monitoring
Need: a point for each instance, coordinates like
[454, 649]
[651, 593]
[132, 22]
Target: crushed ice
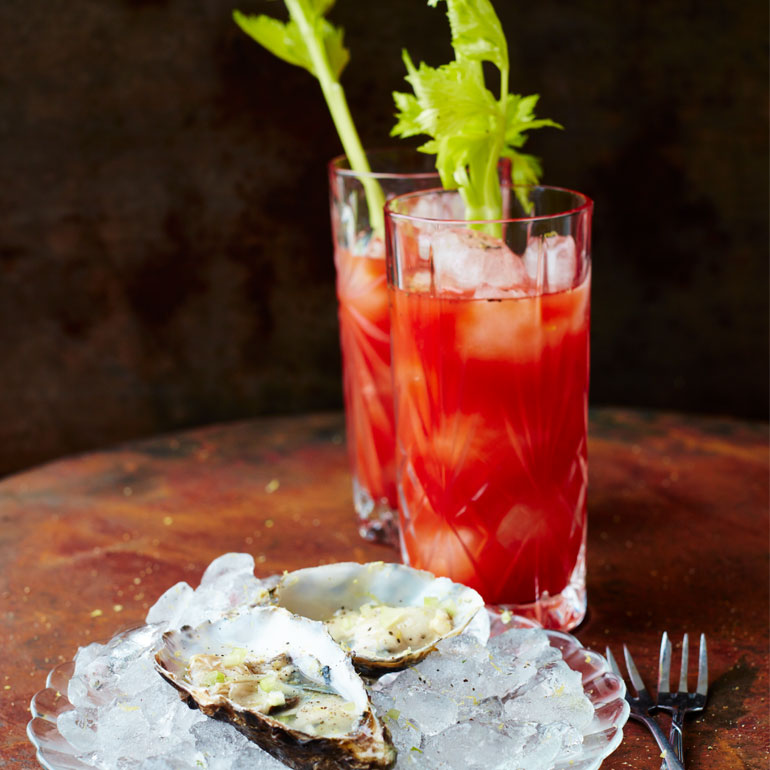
[513, 703]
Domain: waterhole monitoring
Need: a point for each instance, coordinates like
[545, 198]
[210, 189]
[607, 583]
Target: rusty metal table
[678, 540]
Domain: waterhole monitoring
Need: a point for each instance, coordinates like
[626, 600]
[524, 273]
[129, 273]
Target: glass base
[377, 521]
[561, 612]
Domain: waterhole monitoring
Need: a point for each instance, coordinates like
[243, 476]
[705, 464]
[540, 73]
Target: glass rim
[586, 205]
[335, 166]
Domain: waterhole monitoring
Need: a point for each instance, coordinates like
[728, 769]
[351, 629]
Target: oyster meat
[284, 683]
[389, 615]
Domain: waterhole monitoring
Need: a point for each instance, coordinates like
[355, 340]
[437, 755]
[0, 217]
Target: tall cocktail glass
[490, 335]
[359, 255]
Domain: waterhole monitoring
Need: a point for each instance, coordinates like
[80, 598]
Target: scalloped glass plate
[602, 736]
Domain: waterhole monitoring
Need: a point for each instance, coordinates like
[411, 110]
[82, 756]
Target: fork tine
[683, 670]
[633, 672]
[664, 665]
[703, 667]
[613, 663]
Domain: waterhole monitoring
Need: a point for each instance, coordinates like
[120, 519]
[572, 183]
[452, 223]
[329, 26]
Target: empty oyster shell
[389, 615]
[284, 683]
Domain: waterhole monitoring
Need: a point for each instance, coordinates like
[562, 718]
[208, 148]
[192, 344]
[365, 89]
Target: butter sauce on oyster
[276, 687]
[388, 615]
[284, 683]
[380, 630]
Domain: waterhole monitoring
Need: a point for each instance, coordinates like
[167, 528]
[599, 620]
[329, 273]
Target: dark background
[165, 254]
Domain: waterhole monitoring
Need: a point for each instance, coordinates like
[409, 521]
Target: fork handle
[675, 739]
[667, 750]
[675, 736]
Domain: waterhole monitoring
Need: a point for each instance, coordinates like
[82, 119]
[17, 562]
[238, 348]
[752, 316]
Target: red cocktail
[362, 292]
[490, 331]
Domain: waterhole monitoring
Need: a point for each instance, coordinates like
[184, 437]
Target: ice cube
[539, 745]
[227, 567]
[431, 711]
[163, 708]
[227, 583]
[460, 667]
[554, 694]
[470, 261]
[481, 709]
[123, 732]
[252, 757]
[174, 762]
[218, 742]
[478, 628]
[556, 256]
[375, 247]
[86, 655]
[171, 605]
[519, 643]
[136, 676]
[79, 729]
[77, 692]
[470, 745]
[438, 205]
[517, 656]
[405, 733]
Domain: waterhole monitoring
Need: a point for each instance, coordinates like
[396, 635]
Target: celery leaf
[285, 40]
[470, 129]
[476, 31]
[311, 41]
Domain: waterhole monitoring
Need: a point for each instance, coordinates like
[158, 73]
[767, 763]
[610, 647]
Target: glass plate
[602, 736]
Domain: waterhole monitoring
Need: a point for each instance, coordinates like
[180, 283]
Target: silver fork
[682, 702]
[641, 707]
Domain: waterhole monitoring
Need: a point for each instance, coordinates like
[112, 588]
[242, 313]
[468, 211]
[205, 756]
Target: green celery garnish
[470, 129]
[311, 41]
[236, 657]
[268, 683]
[210, 678]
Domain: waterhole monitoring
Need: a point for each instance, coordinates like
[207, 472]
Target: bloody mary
[365, 341]
[490, 364]
[359, 254]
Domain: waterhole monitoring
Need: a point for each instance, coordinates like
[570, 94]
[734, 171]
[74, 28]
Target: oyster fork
[682, 702]
[641, 707]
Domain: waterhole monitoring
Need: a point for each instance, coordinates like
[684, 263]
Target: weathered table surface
[678, 541]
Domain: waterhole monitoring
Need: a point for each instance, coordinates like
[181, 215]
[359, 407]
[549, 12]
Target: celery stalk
[309, 40]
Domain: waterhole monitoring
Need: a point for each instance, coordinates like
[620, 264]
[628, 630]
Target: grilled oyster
[389, 615]
[284, 683]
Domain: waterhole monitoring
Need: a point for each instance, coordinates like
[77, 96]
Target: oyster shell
[389, 615]
[284, 683]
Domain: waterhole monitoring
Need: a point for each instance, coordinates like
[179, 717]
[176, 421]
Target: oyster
[389, 615]
[284, 683]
